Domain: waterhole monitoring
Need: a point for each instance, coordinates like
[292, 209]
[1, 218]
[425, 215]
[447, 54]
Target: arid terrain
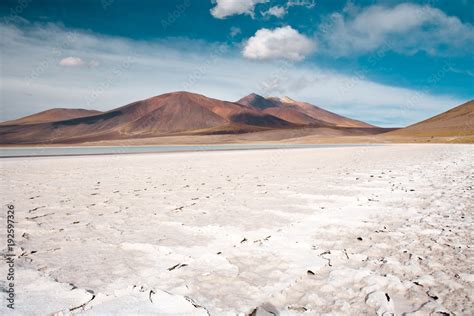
[189, 118]
[174, 114]
[458, 121]
[237, 158]
[384, 229]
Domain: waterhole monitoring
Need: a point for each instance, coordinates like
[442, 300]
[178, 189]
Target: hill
[458, 121]
[52, 115]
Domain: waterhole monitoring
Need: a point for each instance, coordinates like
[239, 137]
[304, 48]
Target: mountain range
[190, 114]
[177, 113]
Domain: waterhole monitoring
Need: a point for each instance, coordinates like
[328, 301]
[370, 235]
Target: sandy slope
[361, 230]
[52, 115]
[458, 121]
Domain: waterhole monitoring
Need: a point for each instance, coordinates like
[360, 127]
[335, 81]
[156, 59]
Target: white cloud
[225, 8]
[32, 81]
[302, 3]
[276, 11]
[280, 43]
[405, 28]
[71, 62]
[280, 11]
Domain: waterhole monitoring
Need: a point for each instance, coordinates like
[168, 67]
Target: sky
[389, 63]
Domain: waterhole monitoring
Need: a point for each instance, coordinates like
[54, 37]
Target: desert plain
[382, 229]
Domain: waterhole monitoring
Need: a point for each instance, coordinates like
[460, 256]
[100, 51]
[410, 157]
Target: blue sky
[390, 63]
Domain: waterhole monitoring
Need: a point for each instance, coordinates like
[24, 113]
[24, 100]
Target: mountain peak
[256, 101]
[252, 95]
[287, 99]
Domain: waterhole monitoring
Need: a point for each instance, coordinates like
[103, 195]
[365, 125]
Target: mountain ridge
[172, 113]
[52, 115]
[301, 112]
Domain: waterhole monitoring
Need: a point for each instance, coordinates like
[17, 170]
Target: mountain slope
[323, 115]
[300, 112]
[458, 121]
[52, 115]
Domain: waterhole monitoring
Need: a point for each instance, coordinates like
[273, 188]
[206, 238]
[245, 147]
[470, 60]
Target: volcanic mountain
[458, 121]
[177, 113]
[300, 112]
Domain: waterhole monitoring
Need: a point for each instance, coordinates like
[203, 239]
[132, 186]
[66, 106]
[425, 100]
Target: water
[115, 150]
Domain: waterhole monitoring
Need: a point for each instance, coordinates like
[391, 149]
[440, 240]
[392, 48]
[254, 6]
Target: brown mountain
[177, 113]
[257, 101]
[52, 115]
[167, 114]
[300, 112]
[458, 121]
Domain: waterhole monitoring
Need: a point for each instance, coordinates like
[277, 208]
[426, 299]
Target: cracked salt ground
[374, 230]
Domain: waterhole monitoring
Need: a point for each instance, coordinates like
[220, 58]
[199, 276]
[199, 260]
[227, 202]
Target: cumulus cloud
[71, 61]
[130, 70]
[225, 8]
[276, 11]
[405, 28]
[280, 43]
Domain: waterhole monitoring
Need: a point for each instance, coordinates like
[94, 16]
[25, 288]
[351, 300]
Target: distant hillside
[458, 121]
[52, 116]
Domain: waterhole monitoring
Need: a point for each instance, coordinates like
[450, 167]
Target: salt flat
[361, 230]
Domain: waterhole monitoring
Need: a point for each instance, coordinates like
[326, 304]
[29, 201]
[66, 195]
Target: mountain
[170, 113]
[52, 115]
[458, 121]
[300, 112]
[257, 101]
[177, 113]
